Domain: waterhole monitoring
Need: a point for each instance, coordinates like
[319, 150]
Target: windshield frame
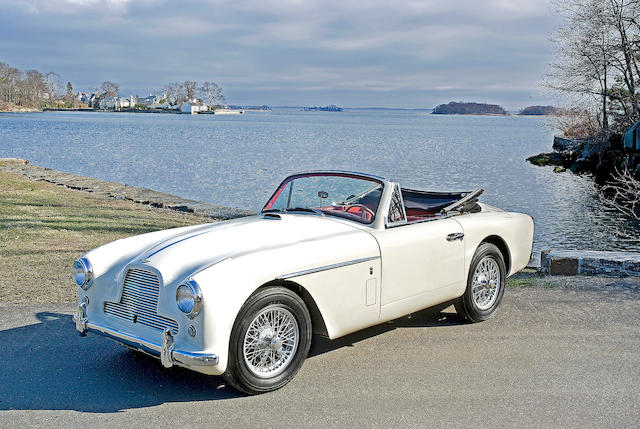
[366, 177]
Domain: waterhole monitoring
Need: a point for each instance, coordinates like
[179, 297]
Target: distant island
[329, 108]
[465, 108]
[540, 111]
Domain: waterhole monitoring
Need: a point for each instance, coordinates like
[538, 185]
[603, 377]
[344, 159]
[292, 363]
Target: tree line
[179, 92]
[34, 89]
[30, 88]
[597, 65]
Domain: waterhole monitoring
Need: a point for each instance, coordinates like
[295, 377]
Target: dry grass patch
[45, 227]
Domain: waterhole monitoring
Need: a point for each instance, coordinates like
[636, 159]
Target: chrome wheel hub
[271, 341]
[486, 283]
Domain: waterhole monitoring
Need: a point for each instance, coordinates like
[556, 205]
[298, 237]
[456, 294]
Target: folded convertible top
[441, 202]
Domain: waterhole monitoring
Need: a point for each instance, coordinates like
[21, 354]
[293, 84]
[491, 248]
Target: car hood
[187, 252]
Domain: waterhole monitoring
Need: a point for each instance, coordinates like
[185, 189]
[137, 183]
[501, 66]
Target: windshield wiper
[271, 211]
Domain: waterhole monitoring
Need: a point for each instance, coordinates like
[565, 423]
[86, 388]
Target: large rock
[590, 263]
[593, 147]
[563, 144]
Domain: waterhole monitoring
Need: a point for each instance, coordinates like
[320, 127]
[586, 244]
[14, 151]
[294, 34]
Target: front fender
[339, 292]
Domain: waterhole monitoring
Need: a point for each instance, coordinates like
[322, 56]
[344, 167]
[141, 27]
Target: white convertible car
[330, 253]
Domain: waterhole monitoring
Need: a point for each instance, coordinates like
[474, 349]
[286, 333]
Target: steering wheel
[361, 210]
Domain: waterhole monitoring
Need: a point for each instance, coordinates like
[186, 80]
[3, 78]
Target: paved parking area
[550, 357]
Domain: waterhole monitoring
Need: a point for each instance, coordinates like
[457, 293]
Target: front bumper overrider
[166, 351]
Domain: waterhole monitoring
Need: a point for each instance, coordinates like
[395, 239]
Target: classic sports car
[330, 253]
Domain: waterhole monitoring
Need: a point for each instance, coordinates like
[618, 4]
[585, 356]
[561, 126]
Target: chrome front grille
[139, 301]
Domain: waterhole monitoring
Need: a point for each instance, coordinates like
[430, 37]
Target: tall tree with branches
[190, 87]
[111, 89]
[212, 93]
[51, 80]
[596, 62]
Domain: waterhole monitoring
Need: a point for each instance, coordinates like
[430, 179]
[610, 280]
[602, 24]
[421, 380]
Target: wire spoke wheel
[271, 341]
[486, 283]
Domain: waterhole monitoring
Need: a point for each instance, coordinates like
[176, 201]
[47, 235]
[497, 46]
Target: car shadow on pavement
[431, 317]
[48, 366]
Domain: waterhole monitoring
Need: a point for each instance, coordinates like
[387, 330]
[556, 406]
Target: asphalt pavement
[551, 357]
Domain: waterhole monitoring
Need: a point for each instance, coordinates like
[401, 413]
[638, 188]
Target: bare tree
[10, 78]
[174, 92]
[35, 88]
[52, 82]
[582, 57]
[111, 89]
[596, 61]
[623, 193]
[211, 92]
[190, 89]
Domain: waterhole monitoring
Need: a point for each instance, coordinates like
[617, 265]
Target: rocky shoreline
[119, 191]
[600, 158]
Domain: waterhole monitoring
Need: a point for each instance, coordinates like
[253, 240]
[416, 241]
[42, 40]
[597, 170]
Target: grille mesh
[139, 301]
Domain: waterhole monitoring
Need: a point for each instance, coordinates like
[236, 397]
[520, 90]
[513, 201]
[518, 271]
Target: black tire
[238, 373]
[466, 306]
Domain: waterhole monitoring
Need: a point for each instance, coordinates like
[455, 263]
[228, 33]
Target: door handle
[455, 236]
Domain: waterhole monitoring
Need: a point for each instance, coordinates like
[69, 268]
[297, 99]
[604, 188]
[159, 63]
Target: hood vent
[272, 216]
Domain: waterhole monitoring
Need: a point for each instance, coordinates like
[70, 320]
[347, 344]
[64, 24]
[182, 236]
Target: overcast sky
[379, 53]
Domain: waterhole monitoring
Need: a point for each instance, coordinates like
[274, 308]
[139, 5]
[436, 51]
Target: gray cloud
[356, 53]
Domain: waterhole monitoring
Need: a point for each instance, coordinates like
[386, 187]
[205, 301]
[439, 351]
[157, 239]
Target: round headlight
[189, 298]
[82, 273]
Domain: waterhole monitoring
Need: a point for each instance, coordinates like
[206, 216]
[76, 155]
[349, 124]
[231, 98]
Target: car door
[422, 264]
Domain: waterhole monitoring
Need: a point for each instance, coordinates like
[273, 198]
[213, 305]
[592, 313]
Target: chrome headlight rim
[196, 295]
[83, 266]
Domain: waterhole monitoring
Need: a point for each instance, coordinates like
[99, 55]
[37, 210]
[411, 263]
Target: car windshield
[335, 194]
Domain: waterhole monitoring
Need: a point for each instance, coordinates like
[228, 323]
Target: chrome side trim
[182, 357]
[325, 268]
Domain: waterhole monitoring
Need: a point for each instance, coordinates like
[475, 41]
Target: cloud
[73, 6]
[288, 48]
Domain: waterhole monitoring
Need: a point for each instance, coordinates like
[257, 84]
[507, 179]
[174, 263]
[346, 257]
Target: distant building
[193, 106]
[88, 99]
[116, 103]
[150, 100]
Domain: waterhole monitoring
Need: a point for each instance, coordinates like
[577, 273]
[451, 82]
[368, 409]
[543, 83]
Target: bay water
[238, 160]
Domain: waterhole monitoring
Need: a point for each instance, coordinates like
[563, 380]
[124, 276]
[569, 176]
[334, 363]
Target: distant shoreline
[346, 109]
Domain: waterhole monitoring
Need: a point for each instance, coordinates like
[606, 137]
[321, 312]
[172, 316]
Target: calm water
[239, 160]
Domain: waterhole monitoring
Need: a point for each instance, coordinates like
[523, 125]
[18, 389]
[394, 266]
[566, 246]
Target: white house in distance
[117, 103]
[150, 100]
[86, 98]
[193, 106]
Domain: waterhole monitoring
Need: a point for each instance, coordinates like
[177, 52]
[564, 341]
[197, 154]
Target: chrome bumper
[166, 351]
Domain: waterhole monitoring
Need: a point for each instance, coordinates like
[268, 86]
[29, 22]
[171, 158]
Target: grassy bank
[44, 228]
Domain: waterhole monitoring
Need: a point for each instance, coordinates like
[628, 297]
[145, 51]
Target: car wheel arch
[317, 319]
[502, 246]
